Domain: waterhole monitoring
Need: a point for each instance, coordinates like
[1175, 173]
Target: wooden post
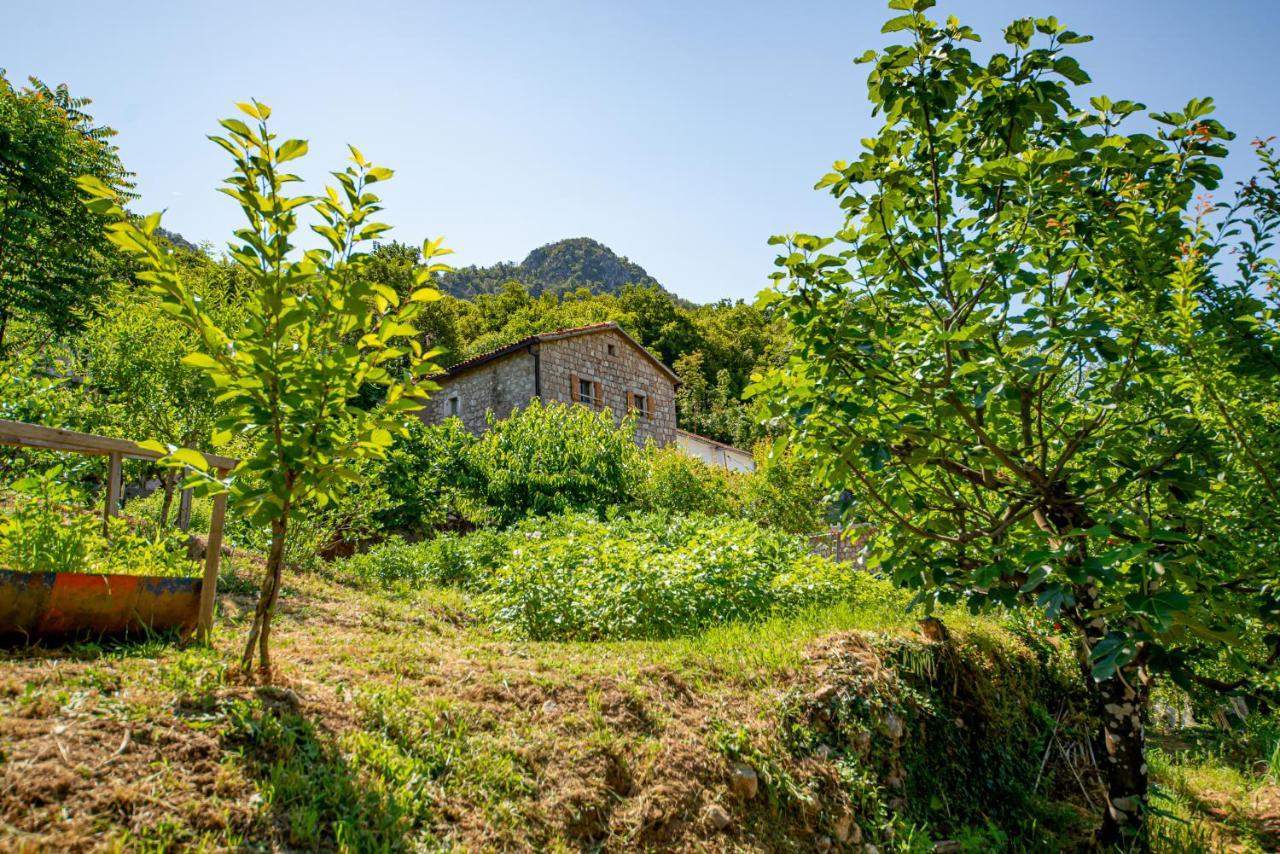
[212, 559]
[184, 511]
[113, 490]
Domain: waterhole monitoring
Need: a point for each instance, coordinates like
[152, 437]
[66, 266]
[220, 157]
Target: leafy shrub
[44, 532]
[430, 478]
[549, 458]
[677, 482]
[574, 577]
[444, 560]
[783, 492]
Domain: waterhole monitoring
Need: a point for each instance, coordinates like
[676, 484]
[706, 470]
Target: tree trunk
[260, 632]
[1120, 703]
[1121, 706]
[167, 483]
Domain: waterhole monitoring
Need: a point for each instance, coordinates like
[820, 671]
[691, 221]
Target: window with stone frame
[454, 406]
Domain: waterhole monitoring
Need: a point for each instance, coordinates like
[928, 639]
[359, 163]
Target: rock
[743, 781]
[897, 778]
[871, 849]
[892, 726]
[823, 752]
[824, 844]
[897, 805]
[718, 816]
[932, 630]
[947, 846]
[280, 696]
[862, 741]
[826, 693]
[550, 707]
[846, 829]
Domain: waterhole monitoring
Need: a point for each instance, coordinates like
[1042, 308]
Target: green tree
[984, 357]
[130, 356]
[53, 256]
[315, 330]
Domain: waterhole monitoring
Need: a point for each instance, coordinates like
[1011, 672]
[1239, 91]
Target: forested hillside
[565, 265]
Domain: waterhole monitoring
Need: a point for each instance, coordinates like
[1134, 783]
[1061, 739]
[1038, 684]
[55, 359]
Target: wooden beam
[113, 490]
[212, 560]
[39, 436]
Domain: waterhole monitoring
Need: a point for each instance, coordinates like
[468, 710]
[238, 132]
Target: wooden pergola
[116, 451]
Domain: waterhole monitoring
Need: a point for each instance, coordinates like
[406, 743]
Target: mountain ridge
[556, 267]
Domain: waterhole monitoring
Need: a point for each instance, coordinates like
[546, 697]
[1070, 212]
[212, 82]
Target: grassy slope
[396, 719]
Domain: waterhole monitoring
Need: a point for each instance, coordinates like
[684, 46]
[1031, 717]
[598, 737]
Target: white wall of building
[715, 453]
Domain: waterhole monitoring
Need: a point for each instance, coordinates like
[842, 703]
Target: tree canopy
[1008, 356]
[53, 256]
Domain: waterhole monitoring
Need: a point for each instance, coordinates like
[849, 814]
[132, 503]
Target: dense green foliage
[53, 255]
[548, 459]
[574, 577]
[47, 529]
[993, 355]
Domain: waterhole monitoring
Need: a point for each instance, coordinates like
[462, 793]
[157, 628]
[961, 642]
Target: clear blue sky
[681, 134]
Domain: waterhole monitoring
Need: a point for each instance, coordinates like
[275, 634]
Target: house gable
[600, 366]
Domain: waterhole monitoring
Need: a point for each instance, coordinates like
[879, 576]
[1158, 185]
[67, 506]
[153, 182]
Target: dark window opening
[585, 393]
[613, 351]
[453, 407]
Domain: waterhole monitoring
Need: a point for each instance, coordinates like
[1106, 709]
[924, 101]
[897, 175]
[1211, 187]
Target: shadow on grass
[136, 644]
[320, 793]
[1262, 830]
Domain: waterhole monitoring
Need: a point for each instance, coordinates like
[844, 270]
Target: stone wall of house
[503, 385]
[611, 364]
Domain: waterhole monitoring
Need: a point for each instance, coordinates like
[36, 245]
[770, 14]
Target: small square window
[613, 350]
[585, 392]
[453, 407]
[639, 403]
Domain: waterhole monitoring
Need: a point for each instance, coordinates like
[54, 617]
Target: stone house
[600, 366]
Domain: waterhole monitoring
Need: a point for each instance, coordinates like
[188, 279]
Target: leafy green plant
[785, 491]
[988, 356]
[40, 534]
[549, 458]
[53, 257]
[674, 481]
[48, 531]
[431, 479]
[315, 332]
[574, 577]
